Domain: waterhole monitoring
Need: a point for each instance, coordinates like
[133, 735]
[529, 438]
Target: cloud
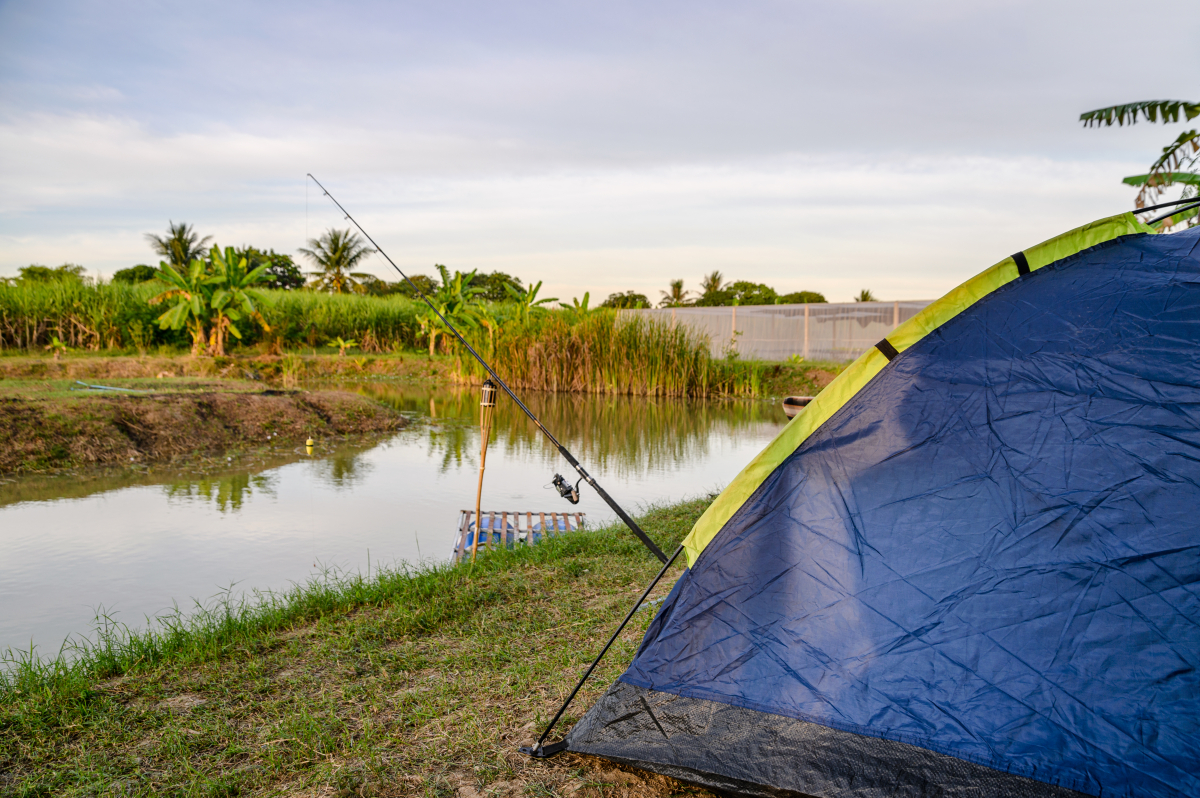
[604, 147]
[907, 228]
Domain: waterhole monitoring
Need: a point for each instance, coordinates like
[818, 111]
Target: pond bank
[177, 407]
[274, 369]
[420, 682]
[53, 432]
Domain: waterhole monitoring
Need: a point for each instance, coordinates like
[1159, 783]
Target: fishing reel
[565, 489]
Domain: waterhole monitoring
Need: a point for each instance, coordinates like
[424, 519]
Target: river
[131, 544]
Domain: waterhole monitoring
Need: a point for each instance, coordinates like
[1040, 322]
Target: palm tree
[234, 296]
[189, 290]
[712, 282]
[865, 296]
[335, 253]
[180, 247]
[674, 297]
[1179, 159]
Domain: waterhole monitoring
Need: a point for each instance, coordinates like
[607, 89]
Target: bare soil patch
[47, 434]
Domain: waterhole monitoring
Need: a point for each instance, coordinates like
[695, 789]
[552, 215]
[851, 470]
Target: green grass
[400, 682]
[72, 389]
[557, 350]
[118, 316]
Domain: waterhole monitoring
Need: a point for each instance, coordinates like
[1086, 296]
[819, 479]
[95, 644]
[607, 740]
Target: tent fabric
[985, 554]
[850, 381]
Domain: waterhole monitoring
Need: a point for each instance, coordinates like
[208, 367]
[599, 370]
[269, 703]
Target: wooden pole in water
[487, 403]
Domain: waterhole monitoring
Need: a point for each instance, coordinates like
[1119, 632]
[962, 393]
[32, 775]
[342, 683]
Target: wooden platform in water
[509, 528]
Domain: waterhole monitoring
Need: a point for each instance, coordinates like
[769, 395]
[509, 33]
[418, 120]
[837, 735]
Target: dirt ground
[43, 434]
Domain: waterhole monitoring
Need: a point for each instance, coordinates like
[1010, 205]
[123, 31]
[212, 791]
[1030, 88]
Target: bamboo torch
[487, 404]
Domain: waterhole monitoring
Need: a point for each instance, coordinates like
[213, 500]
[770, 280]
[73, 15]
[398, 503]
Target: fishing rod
[564, 489]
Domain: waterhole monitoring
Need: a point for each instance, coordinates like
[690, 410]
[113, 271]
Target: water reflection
[622, 434]
[342, 470]
[233, 479]
[227, 493]
[139, 540]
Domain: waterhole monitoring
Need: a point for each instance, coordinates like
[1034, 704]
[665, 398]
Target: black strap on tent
[1022, 263]
[889, 351]
[570, 458]
[540, 751]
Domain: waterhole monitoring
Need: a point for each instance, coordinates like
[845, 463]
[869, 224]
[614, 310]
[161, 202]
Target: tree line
[716, 291]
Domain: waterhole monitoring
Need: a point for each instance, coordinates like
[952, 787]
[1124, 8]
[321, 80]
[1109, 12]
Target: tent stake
[540, 751]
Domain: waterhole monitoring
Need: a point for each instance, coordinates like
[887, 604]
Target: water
[132, 544]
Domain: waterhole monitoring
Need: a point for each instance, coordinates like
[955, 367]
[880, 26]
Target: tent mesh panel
[738, 750]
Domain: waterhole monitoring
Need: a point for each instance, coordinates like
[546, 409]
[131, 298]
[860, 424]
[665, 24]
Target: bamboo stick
[486, 405]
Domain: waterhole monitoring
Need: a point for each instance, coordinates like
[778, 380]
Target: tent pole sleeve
[542, 752]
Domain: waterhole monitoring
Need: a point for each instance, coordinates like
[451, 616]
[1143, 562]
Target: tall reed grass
[602, 352]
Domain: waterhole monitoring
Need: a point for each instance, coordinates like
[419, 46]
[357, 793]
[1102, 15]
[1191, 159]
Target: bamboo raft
[497, 523]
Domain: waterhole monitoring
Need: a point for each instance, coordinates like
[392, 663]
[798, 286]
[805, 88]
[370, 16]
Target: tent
[971, 567]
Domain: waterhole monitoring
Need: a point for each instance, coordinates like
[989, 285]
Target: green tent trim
[861, 371]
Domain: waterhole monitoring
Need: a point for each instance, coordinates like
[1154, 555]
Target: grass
[173, 371]
[71, 389]
[558, 350]
[119, 316]
[419, 681]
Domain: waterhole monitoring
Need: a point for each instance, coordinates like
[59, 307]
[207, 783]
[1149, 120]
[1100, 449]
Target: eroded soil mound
[39, 435]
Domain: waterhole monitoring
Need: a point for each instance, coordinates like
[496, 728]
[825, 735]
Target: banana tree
[456, 301]
[1179, 160]
[234, 296]
[580, 308]
[489, 319]
[527, 300]
[342, 345]
[189, 292]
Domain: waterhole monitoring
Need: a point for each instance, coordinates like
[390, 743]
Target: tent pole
[540, 751]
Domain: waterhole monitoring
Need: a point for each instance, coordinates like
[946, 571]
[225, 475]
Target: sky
[832, 147]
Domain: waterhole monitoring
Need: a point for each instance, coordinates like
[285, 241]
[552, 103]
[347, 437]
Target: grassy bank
[402, 682]
[547, 350]
[196, 407]
[19, 372]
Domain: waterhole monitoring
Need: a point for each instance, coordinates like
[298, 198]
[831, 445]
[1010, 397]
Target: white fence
[815, 331]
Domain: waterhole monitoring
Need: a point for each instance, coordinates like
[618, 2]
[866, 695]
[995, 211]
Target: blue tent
[971, 567]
